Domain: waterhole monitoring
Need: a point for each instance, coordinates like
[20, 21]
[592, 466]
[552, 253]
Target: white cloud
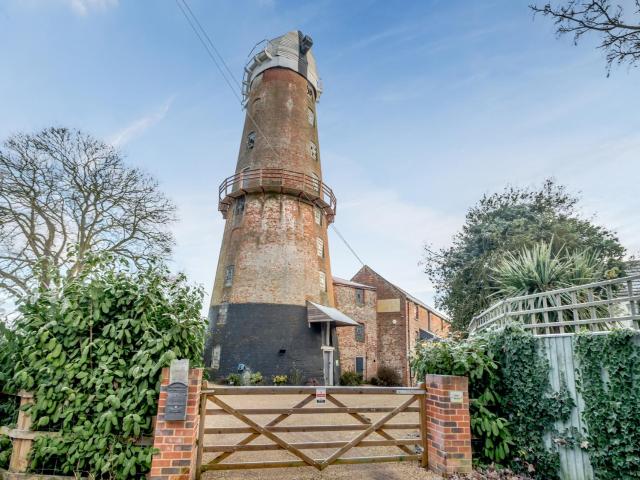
[83, 7]
[389, 233]
[137, 127]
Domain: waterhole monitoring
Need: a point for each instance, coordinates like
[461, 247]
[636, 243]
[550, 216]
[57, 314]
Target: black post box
[176, 407]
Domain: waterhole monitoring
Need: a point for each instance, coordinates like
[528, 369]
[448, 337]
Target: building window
[215, 357]
[359, 296]
[311, 117]
[251, 140]
[228, 275]
[310, 92]
[360, 365]
[238, 210]
[359, 332]
[222, 313]
[320, 247]
[323, 282]
[417, 311]
[317, 215]
[313, 148]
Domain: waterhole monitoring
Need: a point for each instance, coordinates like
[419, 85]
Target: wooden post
[424, 461]
[22, 441]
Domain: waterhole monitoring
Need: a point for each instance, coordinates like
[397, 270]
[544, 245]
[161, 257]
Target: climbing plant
[512, 404]
[528, 401]
[609, 381]
[93, 347]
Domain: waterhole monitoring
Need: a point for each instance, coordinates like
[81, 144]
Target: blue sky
[426, 106]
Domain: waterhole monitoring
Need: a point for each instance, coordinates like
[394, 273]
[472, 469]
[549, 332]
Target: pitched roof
[349, 283]
[410, 297]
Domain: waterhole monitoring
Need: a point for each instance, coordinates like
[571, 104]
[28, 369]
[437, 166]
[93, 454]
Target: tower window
[320, 247]
[238, 210]
[359, 332]
[317, 215]
[215, 357]
[228, 275]
[323, 282]
[359, 296]
[222, 313]
[311, 117]
[315, 182]
[251, 140]
[313, 148]
[310, 92]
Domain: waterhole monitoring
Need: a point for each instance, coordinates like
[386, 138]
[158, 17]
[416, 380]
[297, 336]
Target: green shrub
[512, 405]
[351, 378]
[475, 360]
[6, 447]
[256, 378]
[279, 379]
[92, 351]
[388, 377]
[234, 379]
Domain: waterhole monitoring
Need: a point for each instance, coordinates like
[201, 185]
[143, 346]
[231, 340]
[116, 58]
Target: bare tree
[619, 33]
[62, 189]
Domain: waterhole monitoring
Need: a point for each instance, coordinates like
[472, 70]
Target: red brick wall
[176, 441]
[273, 246]
[448, 425]
[392, 337]
[349, 348]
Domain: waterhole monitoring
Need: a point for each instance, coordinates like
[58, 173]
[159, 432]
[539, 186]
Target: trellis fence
[595, 307]
[555, 317]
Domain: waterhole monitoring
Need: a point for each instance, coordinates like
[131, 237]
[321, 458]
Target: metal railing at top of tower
[278, 180]
[596, 307]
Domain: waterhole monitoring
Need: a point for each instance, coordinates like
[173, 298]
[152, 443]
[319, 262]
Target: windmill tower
[272, 303]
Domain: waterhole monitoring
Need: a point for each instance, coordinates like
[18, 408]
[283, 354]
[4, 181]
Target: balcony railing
[301, 185]
[599, 306]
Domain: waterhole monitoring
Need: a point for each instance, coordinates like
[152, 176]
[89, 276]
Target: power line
[347, 244]
[206, 35]
[211, 49]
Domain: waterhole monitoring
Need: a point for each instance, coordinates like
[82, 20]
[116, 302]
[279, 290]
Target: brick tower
[272, 303]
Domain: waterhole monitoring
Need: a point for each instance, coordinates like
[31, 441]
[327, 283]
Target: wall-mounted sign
[321, 396]
[456, 396]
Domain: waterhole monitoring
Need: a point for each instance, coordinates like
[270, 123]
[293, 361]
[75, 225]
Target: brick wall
[176, 441]
[349, 348]
[392, 327]
[448, 424]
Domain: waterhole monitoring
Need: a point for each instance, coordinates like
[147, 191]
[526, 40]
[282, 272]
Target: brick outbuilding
[401, 320]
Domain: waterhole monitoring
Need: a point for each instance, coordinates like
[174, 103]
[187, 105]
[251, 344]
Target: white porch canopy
[321, 313]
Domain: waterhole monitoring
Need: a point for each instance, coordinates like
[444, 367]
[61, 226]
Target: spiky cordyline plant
[540, 269]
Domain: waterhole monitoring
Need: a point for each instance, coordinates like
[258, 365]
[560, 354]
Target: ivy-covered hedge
[512, 403]
[609, 381]
[92, 350]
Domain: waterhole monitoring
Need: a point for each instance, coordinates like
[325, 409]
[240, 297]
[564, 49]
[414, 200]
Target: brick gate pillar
[176, 441]
[448, 424]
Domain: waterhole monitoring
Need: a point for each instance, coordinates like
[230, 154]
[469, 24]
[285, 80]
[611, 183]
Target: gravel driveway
[404, 470]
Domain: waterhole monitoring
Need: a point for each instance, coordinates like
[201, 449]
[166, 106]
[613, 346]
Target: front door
[327, 357]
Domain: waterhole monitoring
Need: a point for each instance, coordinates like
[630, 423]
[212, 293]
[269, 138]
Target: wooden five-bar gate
[232, 418]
